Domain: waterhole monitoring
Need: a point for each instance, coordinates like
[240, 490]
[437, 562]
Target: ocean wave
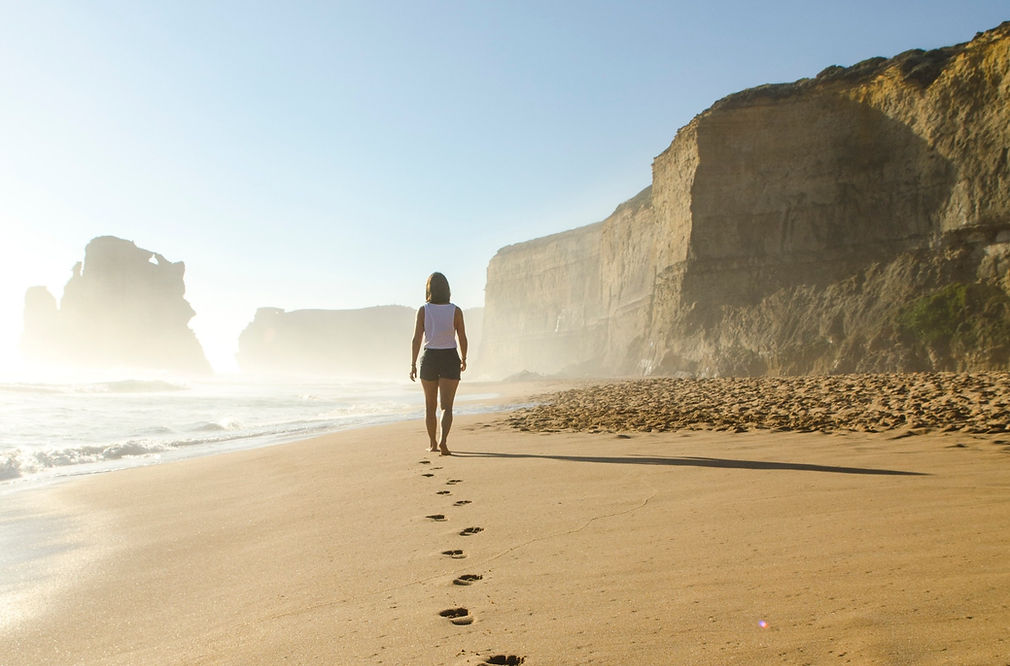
[88, 454]
[32, 388]
[155, 430]
[10, 467]
[92, 426]
[27, 462]
[121, 386]
[221, 425]
[19, 462]
[367, 409]
[133, 386]
[23, 462]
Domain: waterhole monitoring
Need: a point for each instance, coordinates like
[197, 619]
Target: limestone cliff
[542, 307]
[792, 228]
[367, 342]
[123, 307]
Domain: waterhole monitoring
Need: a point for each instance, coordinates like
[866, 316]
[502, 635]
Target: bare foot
[444, 450]
[432, 449]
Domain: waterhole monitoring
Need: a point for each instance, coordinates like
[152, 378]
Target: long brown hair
[436, 290]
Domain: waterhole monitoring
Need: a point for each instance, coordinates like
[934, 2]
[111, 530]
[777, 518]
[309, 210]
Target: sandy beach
[591, 544]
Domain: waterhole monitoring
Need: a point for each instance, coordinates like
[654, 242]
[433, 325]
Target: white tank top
[439, 326]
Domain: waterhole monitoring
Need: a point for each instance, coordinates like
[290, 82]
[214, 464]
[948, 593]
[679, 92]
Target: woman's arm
[461, 334]
[415, 344]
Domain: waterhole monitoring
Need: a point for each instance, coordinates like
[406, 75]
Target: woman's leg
[430, 418]
[447, 389]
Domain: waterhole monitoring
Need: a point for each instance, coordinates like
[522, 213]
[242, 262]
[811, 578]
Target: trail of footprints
[461, 615]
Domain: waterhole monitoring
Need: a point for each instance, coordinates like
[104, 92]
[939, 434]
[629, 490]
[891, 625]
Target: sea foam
[54, 430]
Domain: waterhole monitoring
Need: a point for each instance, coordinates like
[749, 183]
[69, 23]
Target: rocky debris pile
[968, 402]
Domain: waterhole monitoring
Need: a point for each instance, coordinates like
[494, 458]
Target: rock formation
[857, 221]
[123, 307]
[368, 342]
[542, 302]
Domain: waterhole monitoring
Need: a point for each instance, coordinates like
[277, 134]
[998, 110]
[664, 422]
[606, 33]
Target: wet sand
[684, 545]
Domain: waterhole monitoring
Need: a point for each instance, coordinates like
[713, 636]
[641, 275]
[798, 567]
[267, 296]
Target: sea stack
[124, 307]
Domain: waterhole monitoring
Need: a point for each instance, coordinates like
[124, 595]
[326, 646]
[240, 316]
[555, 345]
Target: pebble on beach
[977, 402]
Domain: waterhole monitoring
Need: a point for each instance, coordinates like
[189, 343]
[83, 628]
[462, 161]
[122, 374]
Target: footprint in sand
[457, 615]
[454, 554]
[429, 475]
[424, 462]
[505, 660]
[443, 492]
[467, 579]
[437, 516]
[452, 482]
[471, 530]
[461, 502]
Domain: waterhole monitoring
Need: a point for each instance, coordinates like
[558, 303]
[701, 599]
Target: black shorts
[439, 364]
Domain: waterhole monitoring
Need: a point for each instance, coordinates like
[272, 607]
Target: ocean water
[55, 429]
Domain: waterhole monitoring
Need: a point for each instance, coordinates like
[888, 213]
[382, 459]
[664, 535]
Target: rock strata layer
[858, 221]
[966, 402]
[123, 307]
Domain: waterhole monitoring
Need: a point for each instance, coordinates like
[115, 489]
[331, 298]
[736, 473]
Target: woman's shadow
[694, 461]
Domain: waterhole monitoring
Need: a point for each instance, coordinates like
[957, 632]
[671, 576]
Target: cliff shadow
[693, 461]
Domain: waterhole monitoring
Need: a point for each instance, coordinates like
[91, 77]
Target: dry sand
[686, 546]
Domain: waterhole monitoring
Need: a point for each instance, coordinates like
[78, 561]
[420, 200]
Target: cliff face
[124, 307]
[542, 304]
[369, 342]
[793, 228]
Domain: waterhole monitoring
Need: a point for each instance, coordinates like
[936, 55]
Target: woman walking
[439, 323]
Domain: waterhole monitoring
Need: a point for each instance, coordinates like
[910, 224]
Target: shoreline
[697, 546]
[487, 396]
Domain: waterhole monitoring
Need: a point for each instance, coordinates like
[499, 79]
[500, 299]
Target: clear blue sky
[332, 154]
